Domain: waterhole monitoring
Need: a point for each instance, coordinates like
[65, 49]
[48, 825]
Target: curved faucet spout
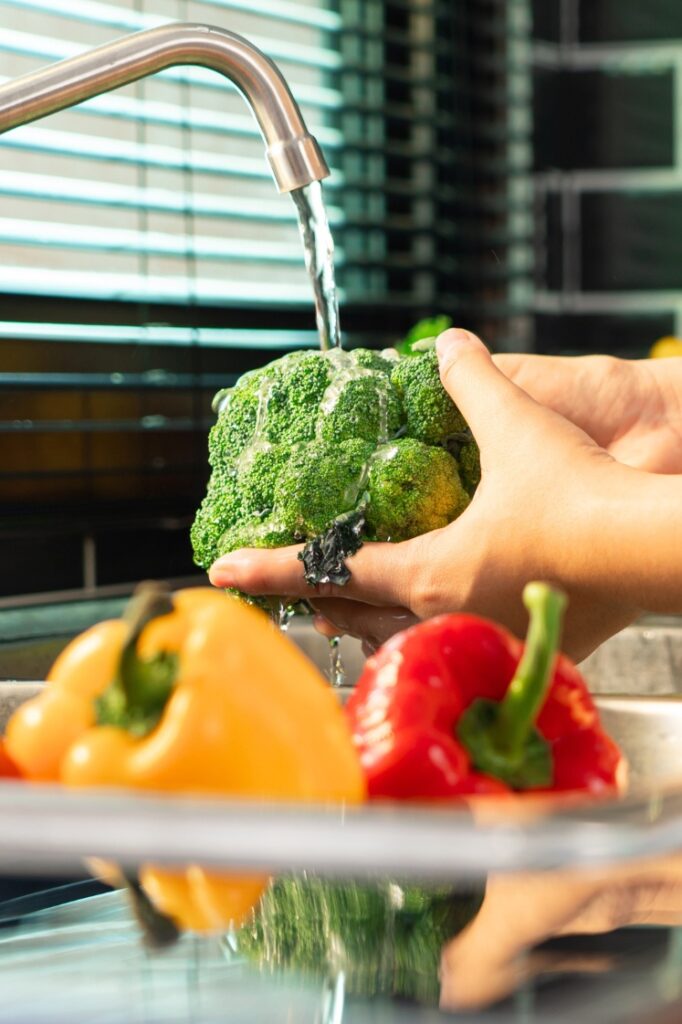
[293, 153]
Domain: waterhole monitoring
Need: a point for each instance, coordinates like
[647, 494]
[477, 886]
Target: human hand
[631, 407]
[546, 497]
[494, 954]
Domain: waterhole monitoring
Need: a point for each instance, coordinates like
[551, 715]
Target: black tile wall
[547, 20]
[626, 336]
[33, 563]
[550, 255]
[167, 554]
[629, 20]
[608, 172]
[631, 241]
[592, 119]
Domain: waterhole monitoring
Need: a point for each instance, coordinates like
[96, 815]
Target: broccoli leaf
[324, 556]
[429, 328]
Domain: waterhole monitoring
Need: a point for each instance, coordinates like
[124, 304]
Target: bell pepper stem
[526, 693]
[137, 695]
[149, 601]
[158, 929]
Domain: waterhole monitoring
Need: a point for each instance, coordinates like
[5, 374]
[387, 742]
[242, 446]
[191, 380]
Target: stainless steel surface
[645, 658]
[649, 732]
[12, 695]
[293, 153]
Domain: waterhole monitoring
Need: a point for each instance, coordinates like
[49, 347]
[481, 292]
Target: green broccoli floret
[381, 361]
[314, 436]
[469, 463]
[289, 413]
[413, 488]
[258, 469]
[220, 509]
[430, 414]
[277, 403]
[320, 482]
[365, 407]
[254, 533]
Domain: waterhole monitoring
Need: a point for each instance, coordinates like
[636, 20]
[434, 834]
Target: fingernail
[451, 341]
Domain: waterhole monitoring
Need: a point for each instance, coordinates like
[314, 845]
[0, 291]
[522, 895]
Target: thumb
[490, 403]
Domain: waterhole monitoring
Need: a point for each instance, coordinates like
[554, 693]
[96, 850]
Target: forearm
[629, 542]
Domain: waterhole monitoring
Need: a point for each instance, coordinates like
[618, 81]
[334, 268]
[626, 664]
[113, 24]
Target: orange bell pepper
[8, 769]
[201, 695]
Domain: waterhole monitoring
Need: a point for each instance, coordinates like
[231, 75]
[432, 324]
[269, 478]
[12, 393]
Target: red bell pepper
[457, 706]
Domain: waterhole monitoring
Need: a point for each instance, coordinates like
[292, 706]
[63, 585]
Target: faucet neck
[293, 153]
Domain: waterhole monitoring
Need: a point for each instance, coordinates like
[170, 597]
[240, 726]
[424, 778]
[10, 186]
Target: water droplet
[337, 672]
[285, 614]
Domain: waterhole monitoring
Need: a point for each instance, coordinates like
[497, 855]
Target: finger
[364, 621]
[325, 627]
[562, 383]
[491, 404]
[512, 364]
[329, 630]
[380, 574]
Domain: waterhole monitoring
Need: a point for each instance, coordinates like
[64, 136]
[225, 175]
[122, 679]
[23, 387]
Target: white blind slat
[160, 191]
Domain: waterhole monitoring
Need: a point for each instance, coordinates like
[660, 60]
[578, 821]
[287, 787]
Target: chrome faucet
[293, 153]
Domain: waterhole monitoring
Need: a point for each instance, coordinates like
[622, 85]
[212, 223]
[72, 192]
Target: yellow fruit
[666, 347]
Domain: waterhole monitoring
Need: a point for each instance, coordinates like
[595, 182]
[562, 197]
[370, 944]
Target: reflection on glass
[315, 944]
[493, 957]
[385, 938]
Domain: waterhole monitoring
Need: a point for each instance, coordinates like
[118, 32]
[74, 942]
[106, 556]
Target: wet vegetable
[191, 694]
[319, 438]
[457, 706]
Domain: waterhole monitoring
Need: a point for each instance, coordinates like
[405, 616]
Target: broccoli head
[413, 488]
[469, 461]
[430, 414]
[318, 477]
[314, 436]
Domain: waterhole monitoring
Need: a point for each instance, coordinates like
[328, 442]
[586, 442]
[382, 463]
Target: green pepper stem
[149, 601]
[526, 693]
[158, 929]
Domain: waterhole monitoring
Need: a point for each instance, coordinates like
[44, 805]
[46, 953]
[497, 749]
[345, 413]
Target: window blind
[160, 191]
[129, 227]
[146, 258]
[458, 193]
